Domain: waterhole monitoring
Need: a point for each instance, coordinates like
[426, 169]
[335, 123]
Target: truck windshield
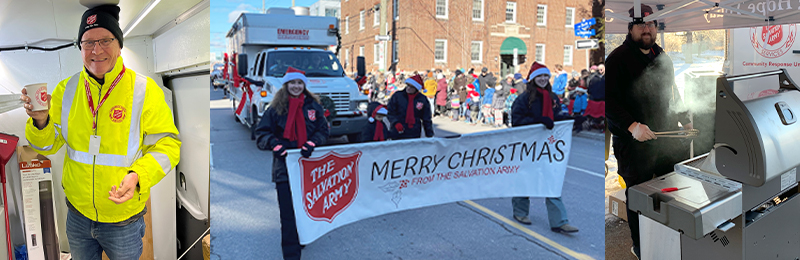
[315, 64]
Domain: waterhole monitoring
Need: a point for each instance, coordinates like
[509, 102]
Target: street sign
[585, 34]
[586, 44]
[584, 25]
[383, 38]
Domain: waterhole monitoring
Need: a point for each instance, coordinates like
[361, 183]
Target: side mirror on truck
[241, 59]
[361, 66]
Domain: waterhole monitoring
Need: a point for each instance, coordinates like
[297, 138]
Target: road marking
[530, 232]
[587, 171]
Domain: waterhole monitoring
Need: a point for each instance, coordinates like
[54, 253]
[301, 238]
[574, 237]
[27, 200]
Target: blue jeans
[88, 239]
[556, 212]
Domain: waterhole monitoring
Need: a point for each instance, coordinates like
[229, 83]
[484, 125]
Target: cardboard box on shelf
[38, 207]
[616, 204]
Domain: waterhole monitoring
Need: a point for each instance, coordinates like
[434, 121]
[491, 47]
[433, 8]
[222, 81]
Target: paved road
[245, 222]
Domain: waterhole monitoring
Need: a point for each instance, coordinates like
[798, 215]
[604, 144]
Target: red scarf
[378, 136]
[547, 103]
[410, 120]
[296, 122]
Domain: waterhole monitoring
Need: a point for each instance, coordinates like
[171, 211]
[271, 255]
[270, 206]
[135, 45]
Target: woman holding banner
[539, 105]
[294, 119]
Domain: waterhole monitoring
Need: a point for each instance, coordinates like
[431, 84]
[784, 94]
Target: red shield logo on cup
[41, 96]
[312, 115]
[773, 41]
[117, 114]
[92, 19]
[330, 184]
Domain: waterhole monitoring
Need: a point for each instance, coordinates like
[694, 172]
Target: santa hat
[380, 110]
[513, 91]
[415, 81]
[537, 69]
[293, 74]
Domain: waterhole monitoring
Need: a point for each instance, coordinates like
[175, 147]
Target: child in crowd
[580, 102]
[474, 106]
[510, 101]
[486, 104]
[455, 104]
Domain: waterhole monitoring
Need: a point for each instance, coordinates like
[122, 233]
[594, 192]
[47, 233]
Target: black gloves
[279, 151]
[547, 122]
[307, 149]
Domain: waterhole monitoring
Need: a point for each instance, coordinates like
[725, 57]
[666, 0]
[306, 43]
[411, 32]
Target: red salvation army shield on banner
[330, 184]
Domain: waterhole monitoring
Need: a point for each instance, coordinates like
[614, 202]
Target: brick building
[451, 34]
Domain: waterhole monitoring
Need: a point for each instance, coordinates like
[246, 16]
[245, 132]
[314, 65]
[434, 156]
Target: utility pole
[393, 67]
[382, 26]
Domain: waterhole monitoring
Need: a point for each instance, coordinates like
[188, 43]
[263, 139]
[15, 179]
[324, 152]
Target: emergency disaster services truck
[265, 45]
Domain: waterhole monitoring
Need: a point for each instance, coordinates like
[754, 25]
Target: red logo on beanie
[330, 184]
[92, 19]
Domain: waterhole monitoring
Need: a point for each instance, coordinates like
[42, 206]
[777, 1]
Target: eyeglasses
[103, 43]
[650, 25]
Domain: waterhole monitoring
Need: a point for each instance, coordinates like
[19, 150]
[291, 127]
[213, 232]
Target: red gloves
[399, 127]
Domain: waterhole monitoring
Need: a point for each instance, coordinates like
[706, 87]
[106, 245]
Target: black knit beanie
[104, 16]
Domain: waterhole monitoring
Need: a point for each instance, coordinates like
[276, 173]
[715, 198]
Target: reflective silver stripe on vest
[49, 147]
[66, 102]
[152, 139]
[162, 160]
[101, 159]
[139, 89]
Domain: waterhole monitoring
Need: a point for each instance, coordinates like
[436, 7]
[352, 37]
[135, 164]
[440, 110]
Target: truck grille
[341, 100]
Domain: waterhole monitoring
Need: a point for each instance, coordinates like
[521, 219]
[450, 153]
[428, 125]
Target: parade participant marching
[410, 111]
[294, 119]
[121, 141]
[641, 96]
[378, 128]
[539, 105]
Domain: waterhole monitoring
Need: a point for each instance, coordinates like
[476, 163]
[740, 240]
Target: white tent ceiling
[690, 15]
[57, 21]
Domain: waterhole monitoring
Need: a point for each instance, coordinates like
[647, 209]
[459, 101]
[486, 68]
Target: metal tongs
[679, 134]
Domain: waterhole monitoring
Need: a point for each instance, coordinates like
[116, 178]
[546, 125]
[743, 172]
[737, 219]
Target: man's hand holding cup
[36, 102]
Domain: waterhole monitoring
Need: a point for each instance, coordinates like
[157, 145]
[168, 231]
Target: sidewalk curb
[592, 135]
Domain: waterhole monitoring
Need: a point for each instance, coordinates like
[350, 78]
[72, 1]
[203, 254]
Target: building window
[332, 12]
[477, 10]
[440, 51]
[441, 9]
[361, 20]
[567, 55]
[361, 51]
[376, 18]
[347, 58]
[540, 53]
[570, 17]
[347, 25]
[476, 52]
[511, 12]
[541, 15]
[377, 53]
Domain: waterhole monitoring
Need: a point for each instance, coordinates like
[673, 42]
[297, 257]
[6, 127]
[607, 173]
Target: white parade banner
[339, 185]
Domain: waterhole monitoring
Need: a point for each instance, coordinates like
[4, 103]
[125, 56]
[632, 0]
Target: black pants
[640, 162]
[290, 242]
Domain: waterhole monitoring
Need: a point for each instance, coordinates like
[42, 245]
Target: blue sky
[225, 12]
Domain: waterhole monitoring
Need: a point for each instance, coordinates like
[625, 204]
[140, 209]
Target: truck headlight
[363, 105]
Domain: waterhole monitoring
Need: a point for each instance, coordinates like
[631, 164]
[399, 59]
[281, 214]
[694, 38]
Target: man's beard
[642, 45]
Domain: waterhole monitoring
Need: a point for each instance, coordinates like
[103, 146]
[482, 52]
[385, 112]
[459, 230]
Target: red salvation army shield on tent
[772, 34]
[330, 184]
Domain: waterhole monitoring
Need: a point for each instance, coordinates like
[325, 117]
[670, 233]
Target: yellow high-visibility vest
[137, 134]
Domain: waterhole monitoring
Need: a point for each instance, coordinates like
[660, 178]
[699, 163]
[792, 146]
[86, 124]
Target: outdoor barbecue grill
[738, 201]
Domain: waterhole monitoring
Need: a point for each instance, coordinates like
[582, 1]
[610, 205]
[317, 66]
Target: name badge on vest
[94, 145]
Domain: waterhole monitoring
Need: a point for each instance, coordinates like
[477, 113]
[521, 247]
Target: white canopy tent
[689, 15]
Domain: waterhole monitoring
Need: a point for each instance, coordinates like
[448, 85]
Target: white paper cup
[38, 94]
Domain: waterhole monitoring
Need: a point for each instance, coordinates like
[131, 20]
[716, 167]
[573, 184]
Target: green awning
[510, 43]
